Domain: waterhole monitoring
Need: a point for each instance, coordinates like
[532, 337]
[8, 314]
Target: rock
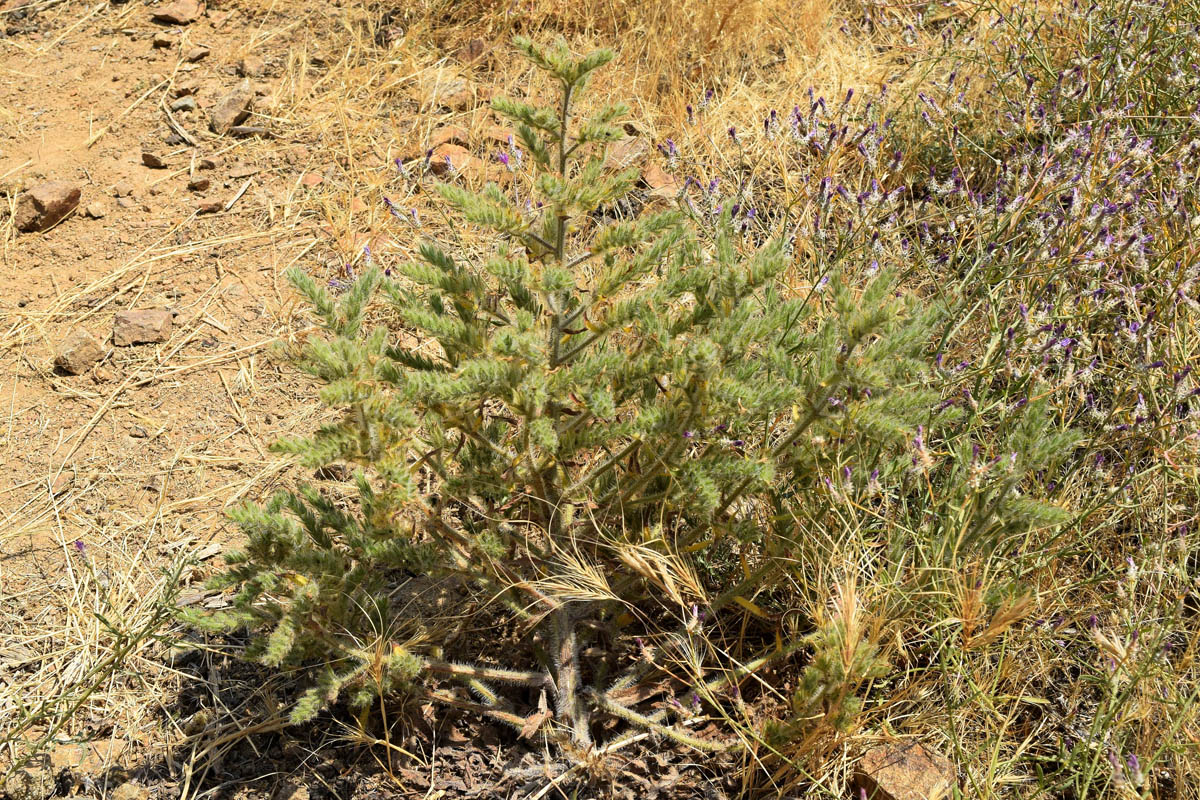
[450, 134]
[311, 179]
[95, 210]
[162, 40]
[185, 103]
[252, 67]
[243, 171]
[141, 326]
[626, 152]
[153, 161]
[208, 207]
[78, 352]
[449, 92]
[126, 202]
[291, 791]
[473, 51]
[206, 163]
[196, 54]
[30, 783]
[662, 184]
[905, 771]
[232, 108]
[44, 205]
[180, 12]
[130, 791]
[122, 189]
[451, 159]
[67, 756]
[249, 131]
[199, 184]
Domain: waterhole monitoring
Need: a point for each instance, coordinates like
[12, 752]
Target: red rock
[208, 207]
[180, 12]
[44, 205]
[661, 183]
[78, 352]
[153, 161]
[905, 770]
[141, 326]
[311, 179]
[199, 184]
[450, 134]
[452, 159]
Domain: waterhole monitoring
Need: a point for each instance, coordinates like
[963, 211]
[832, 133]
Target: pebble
[185, 103]
[78, 352]
[162, 40]
[153, 161]
[180, 12]
[232, 108]
[196, 54]
[141, 326]
[45, 204]
[125, 202]
[208, 207]
[123, 189]
[95, 210]
[199, 184]
[251, 67]
[206, 163]
[451, 159]
[249, 131]
[905, 771]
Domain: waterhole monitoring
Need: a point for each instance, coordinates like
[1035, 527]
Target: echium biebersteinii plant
[591, 408]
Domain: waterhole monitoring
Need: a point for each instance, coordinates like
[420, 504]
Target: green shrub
[569, 428]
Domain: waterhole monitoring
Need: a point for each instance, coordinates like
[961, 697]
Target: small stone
[174, 139]
[126, 202]
[30, 783]
[95, 210]
[450, 134]
[153, 161]
[232, 109]
[141, 326]
[473, 51]
[251, 67]
[249, 131]
[662, 184]
[199, 184]
[206, 163]
[78, 352]
[102, 375]
[130, 791]
[905, 771]
[162, 40]
[449, 92]
[185, 103]
[626, 152]
[123, 189]
[208, 207]
[196, 54]
[243, 171]
[45, 205]
[138, 432]
[180, 12]
[451, 159]
[311, 179]
[67, 756]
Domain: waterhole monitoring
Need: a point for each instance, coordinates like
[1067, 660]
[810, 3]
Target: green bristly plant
[563, 431]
